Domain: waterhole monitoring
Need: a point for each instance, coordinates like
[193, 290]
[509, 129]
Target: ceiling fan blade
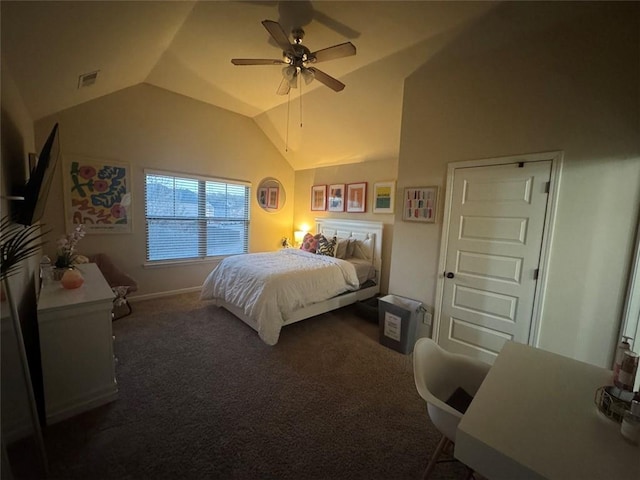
[256, 61]
[284, 87]
[337, 51]
[278, 35]
[328, 80]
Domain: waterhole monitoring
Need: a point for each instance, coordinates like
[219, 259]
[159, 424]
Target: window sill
[182, 263]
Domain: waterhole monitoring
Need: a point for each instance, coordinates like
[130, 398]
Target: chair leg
[444, 442]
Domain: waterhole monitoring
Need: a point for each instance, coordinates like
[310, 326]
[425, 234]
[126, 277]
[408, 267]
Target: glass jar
[46, 271]
[630, 428]
[71, 279]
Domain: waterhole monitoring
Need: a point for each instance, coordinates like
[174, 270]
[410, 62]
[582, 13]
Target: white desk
[76, 345]
[534, 417]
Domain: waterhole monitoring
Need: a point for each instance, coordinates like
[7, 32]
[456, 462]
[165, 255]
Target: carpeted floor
[202, 397]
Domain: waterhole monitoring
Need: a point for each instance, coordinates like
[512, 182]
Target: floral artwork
[98, 195]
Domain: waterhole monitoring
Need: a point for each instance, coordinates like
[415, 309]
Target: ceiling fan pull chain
[286, 141]
[301, 82]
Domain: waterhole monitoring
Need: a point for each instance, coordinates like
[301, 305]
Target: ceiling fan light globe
[289, 72]
[308, 76]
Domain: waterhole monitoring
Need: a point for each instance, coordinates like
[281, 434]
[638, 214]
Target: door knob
[449, 274]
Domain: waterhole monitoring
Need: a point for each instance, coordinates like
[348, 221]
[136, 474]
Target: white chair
[438, 375]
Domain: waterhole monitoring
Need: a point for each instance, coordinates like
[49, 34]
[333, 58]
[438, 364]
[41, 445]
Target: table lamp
[298, 236]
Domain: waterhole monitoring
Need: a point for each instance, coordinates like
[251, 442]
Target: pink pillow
[309, 243]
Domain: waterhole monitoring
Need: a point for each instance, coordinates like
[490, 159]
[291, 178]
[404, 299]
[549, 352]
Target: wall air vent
[87, 79]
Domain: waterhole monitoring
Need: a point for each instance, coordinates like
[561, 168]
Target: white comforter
[269, 286]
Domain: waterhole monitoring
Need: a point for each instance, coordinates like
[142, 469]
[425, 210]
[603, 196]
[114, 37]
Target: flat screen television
[36, 191]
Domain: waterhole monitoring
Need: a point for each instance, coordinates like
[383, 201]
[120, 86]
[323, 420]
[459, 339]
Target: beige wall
[148, 127]
[530, 78]
[370, 172]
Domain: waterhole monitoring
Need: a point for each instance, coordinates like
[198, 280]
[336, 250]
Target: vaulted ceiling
[186, 47]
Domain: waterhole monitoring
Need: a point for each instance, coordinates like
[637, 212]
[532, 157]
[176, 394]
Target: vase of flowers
[67, 251]
[58, 273]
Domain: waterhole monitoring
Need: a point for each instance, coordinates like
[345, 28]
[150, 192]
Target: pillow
[309, 243]
[350, 247]
[326, 247]
[363, 249]
[341, 248]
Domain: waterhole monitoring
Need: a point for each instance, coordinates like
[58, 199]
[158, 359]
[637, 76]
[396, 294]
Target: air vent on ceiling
[87, 79]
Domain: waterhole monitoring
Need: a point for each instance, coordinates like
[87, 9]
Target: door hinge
[536, 272]
[547, 187]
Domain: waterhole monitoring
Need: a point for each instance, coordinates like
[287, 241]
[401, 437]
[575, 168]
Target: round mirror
[271, 195]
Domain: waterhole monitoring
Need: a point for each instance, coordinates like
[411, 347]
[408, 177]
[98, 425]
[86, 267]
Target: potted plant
[66, 252]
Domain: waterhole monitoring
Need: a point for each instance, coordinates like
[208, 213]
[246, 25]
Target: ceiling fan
[297, 57]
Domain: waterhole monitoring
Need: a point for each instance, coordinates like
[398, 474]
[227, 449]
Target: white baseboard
[169, 293]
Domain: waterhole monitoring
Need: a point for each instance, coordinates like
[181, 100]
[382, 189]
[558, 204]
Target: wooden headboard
[357, 229]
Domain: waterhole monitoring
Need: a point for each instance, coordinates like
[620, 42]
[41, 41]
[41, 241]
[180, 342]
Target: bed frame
[331, 227]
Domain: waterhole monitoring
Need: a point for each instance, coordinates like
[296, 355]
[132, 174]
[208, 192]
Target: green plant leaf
[17, 243]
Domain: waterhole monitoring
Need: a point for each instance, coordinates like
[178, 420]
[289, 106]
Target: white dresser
[76, 344]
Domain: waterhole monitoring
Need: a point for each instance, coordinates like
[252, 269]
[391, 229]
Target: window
[195, 217]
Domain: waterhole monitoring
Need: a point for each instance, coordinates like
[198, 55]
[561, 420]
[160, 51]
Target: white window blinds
[195, 217]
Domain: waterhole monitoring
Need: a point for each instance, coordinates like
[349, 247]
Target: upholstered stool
[120, 282]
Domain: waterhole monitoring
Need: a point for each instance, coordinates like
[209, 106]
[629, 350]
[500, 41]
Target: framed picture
[319, 197]
[420, 204]
[272, 197]
[383, 195]
[336, 198]
[356, 197]
[263, 193]
[97, 194]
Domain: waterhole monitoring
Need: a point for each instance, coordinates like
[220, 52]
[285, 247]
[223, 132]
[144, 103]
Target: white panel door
[493, 252]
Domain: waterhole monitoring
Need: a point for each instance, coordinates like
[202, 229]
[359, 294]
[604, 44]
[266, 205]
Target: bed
[270, 290]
